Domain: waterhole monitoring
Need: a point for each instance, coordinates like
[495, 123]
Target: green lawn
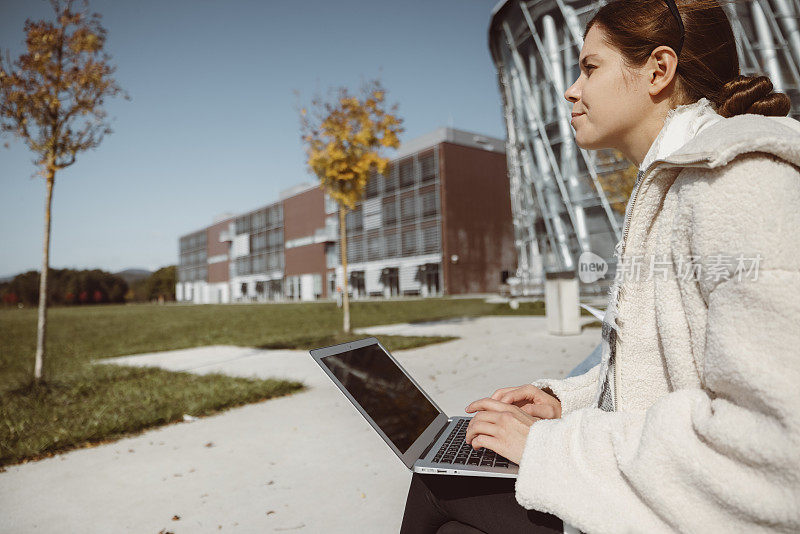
[82, 404]
[79, 334]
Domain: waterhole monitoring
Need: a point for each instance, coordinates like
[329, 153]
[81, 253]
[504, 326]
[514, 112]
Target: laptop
[404, 415]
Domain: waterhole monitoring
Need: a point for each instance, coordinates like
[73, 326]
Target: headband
[674, 9]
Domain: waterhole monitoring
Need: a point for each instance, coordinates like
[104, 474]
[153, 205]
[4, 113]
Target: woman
[691, 422]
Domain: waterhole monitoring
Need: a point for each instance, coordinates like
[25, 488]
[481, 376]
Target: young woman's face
[607, 105]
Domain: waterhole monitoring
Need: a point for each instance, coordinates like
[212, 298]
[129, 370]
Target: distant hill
[133, 275]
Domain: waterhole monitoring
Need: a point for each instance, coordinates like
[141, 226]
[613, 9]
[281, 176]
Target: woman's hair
[708, 63]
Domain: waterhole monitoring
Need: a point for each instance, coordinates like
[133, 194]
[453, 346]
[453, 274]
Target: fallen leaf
[176, 518]
[301, 525]
[271, 512]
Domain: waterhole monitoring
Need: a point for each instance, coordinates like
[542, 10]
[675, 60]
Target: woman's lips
[575, 116]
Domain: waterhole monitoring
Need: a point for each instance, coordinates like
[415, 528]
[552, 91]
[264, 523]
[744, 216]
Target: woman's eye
[589, 68]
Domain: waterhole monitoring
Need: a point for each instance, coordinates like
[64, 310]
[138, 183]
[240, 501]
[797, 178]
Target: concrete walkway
[303, 463]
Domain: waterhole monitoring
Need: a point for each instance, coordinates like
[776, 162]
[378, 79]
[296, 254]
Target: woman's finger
[490, 404]
[502, 391]
[489, 442]
[527, 392]
[480, 427]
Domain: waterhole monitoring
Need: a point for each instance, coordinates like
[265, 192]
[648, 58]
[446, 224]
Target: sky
[212, 126]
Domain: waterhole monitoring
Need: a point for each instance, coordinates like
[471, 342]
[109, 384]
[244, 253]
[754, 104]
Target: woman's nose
[572, 94]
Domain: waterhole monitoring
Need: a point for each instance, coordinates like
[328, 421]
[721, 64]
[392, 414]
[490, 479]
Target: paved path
[303, 463]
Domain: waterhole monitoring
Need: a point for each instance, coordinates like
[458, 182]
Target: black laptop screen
[396, 405]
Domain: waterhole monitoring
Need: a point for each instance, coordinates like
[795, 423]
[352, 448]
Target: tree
[161, 284]
[51, 98]
[344, 138]
[617, 184]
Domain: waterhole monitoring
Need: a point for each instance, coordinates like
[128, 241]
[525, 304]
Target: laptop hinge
[434, 440]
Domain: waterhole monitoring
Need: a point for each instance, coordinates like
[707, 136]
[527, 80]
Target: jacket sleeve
[574, 392]
[724, 457]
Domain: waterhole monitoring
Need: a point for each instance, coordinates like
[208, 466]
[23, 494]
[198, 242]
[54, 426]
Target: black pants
[442, 504]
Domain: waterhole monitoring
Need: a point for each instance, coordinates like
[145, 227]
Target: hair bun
[752, 94]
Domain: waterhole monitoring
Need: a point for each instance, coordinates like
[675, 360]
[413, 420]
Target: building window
[409, 242]
[431, 241]
[390, 178]
[429, 204]
[355, 220]
[408, 208]
[259, 263]
[427, 164]
[389, 213]
[355, 252]
[392, 245]
[258, 241]
[407, 172]
[374, 248]
[372, 185]
[259, 220]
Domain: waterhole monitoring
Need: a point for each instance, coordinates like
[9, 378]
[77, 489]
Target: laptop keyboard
[456, 451]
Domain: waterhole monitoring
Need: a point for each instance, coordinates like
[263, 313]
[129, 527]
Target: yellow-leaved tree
[52, 98]
[344, 138]
[617, 184]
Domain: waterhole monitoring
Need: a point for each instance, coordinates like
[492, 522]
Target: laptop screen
[396, 405]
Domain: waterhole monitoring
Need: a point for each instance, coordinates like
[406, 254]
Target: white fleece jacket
[706, 436]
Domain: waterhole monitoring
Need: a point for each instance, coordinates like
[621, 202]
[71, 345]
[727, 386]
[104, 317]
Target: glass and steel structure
[559, 207]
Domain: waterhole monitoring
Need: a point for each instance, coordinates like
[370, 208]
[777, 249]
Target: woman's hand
[531, 399]
[500, 427]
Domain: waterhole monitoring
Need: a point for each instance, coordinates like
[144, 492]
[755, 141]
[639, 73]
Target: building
[437, 223]
[559, 207]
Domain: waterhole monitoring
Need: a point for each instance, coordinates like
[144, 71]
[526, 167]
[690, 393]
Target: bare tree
[51, 97]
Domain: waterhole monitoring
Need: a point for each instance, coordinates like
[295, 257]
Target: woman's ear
[662, 67]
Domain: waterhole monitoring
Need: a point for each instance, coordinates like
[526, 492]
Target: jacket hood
[722, 141]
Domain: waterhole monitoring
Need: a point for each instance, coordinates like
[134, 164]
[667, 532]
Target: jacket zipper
[626, 229]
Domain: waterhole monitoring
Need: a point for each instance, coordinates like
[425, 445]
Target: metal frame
[535, 45]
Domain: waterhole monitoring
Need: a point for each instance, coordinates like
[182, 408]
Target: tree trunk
[343, 251]
[42, 329]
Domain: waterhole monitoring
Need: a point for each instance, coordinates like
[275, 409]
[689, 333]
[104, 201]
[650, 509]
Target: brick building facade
[437, 223]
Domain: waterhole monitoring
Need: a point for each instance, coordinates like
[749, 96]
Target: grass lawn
[83, 403]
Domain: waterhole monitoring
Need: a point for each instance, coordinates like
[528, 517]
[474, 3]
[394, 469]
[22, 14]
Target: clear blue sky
[211, 126]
